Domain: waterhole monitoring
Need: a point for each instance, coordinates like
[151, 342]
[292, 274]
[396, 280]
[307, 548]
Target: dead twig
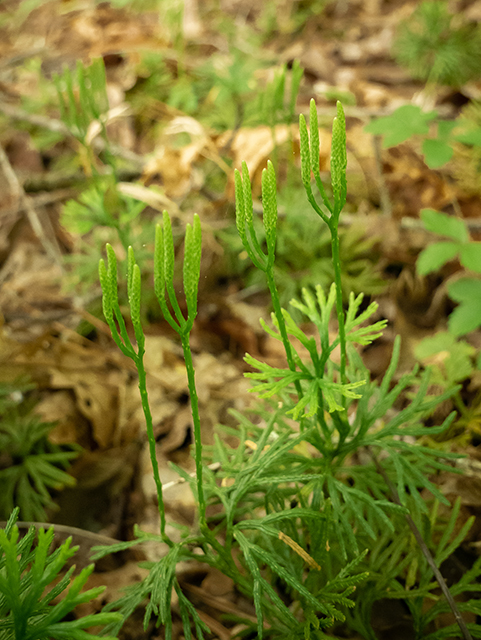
[49, 244]
[57, 126]
[427, 554]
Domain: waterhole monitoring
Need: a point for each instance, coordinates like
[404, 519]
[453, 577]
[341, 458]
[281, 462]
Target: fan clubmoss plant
[436, 48]
[35, 598]
[326, 469]
[32, 468]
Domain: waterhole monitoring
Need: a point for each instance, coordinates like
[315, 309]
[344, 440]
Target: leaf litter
[87, 386]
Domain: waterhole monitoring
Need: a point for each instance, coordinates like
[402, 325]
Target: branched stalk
[310, 164]
[247, 233]
[113, 315]
[163, 281]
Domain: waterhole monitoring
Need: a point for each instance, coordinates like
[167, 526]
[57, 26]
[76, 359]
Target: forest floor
[182, 127]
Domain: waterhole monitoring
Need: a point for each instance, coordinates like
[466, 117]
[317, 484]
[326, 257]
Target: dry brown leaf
[60, 407]
[254, 146]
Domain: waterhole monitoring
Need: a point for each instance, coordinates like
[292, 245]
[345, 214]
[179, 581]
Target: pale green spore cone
[134, 302]
[112, 270]
[245, 218]
[169, 254]
[130, 269]
[305, 155]
[159, 274]
[314, 133]
[240, 212]
[106, 293]
[192, 258]
[248, 204]
[108, 282]
[339, 158]
[269, 203]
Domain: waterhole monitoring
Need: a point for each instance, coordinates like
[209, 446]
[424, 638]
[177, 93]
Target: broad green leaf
[403, 123]
[470, 136]
[466, 317]
[459, 365]
[437, 153]
[465, 290]
[444, 225]
[435, 255]
[452, 356]
[470, 256]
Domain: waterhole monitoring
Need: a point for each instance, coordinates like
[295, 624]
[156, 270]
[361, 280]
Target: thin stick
[57, 126]
[427, 554]
[50, 245]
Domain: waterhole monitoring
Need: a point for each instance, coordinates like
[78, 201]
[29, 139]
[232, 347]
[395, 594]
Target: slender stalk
[194, 403]
[150, 434]
[282, 326]
[339, 305]
[426, 552]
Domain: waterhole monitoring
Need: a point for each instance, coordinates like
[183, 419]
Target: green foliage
[444, 135]
[454, 363]
[467, 315]
[287, 18]
[32, 467]
[223, 93]
[303, 258]
[30, 583]
[453, 360]
[398, 570]
[467, 290]
[103, 211]
[82, 98]
[293, 503]
[102, 205]
[277, 102]
[402, 124]
[436, 48]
